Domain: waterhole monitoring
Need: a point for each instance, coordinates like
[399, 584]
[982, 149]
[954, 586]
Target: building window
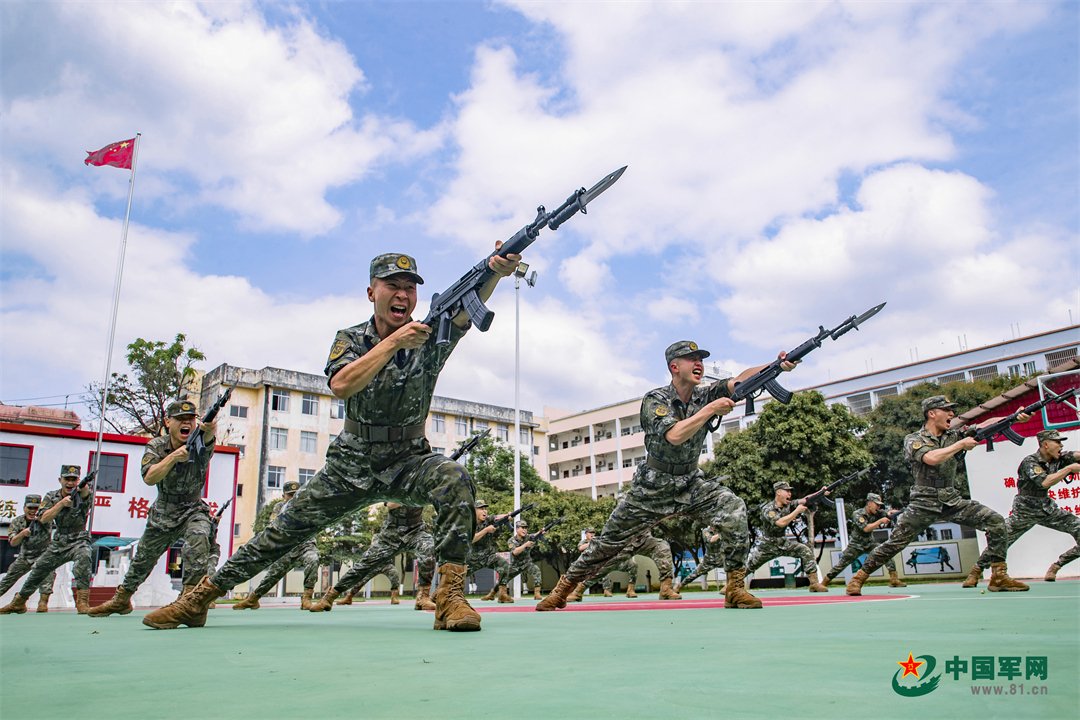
[730, 427]
[236, 530]
[461, 426]
[279, 438]
[15, 464]
[279, 400]
[332, 439]
[536, 449]
[305, 474]
[337, 409]
[1014, 371]
[438, 423]
[523, 436]
[984, 373]
[440, 451]
[627, 462]
[1059, 356]
[238, 411]
[111, 472]
[1029, 367]
[502, 433]
[886, 392]
[309, 441]
[240, 490]
[952, 377]
[309, 405]
[275, 476]
[946, 533]
[859, 404]
[241, 448]
[480, 425]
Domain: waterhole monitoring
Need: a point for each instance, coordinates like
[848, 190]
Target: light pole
[522, 271]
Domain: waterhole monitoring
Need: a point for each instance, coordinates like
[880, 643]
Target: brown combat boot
[607, 592]
[43, 603]
[631, 592]
[185, 590]
[347, 599]
[829, 577]
[735, 593]
[452, 610]
[491, 594]
[16, 606]
[118, 604]
[1001, 582]
[305, 599]
[423, 599]
[536, 593]
[188, 610]
[558, 596]
[855, 586]
[1051, 573]
[82, 601]
[973, 577]
[667, 592]
[895, 581]
[326, 602]
[395, 597]
[816, 586]
[251, 602]
[578, 594]
[504, 596]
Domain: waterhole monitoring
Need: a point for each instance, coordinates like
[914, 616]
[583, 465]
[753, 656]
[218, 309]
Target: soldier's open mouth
[398, 311]
[184, 432]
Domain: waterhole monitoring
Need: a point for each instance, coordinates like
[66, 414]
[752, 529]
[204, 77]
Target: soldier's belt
[671, 468]
[384, 433]
[177, 499]
[936, 483]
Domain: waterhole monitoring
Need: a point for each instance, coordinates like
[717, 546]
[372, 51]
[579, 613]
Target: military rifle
[815, 500]
[215, 519]
[505, 520]
[469, 444]
[195, 444]
[76, 498]
[533, 537]
[464, 295]
[1004, 425]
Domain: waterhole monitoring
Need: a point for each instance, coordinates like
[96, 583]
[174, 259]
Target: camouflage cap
[387, 264]
[683, 348]
[32, 501]
[781, 485]
[479, 504]
[181, 408]
[590, 530]
[521, 524]
[70, 471]
[937, 402]
[1051, 435]
[291, 486]
[875, 498]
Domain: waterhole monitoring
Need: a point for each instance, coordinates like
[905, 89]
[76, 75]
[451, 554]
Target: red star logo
[911, 667]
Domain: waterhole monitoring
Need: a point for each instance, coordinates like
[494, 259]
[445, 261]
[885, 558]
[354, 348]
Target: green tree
[160, 373]
[344, 541]
[491, 466]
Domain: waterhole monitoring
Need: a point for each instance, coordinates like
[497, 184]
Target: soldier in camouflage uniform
[70, 542]
[31, 537]
[776, 515]
[864, 522]
[714, 558]
[178, 512]
[650, 546]
[304, 555]
[386, 368]
[485, 551]
[403, 530]
[521, 562]
[935, 454]
[670, 483]
[1032, 505]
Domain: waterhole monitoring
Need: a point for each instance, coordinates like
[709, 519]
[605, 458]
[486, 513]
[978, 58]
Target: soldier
[484, 552]
[864, 522]
[178, 512]
[31, 537]
[714, 558]
[386, 369]
[66, 510]
[776, 515]
[670, 483]
[935, 453]
[521, 562]
[1032, 505]
[305, 554]
[403, 530]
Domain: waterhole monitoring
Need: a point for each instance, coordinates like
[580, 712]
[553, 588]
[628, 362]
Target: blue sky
[789, 164]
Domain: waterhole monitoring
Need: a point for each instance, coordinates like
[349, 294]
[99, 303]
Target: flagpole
[112, 324]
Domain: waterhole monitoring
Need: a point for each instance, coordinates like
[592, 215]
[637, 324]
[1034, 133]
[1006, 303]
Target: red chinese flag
[119, 154]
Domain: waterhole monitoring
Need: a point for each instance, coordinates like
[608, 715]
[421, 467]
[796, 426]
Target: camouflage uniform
[382, 455]
[669, 484]
[774, 541]
[521, 564]
[178, 512]
[305, 554]
[935, 497]
[484, 554]
[30, 550]
[860, 541]
[1032, 506]
[403, 530]
[70, 543]
[713, 558]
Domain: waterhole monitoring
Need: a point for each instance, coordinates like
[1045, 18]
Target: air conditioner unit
[577, 467]
[577, 438]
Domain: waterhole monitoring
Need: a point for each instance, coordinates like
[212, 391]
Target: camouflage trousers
[22, 565]
[527, 568]
[628, 566]
[770, 548]
[304, 554]
[852, 552]
[215, 553]
[929, 505]
[167, 523]
[1029, 512]
[65, 548]
[710, 562]
[346, 483]
[378, 559]
[499, 562]
[655, 496]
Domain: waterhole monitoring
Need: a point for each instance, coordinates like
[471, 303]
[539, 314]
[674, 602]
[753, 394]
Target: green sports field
[793, 659]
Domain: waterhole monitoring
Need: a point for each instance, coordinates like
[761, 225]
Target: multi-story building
[283, 421]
